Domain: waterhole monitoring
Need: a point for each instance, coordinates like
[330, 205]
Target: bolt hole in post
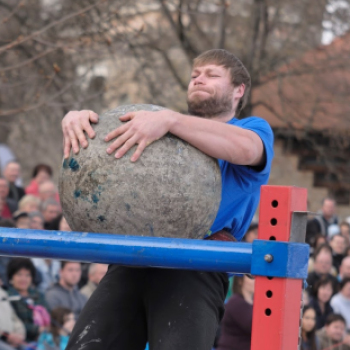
[274, 204]
[273, 221]
[269, 278]
[272, 238]
[269, 294]
[268, 312]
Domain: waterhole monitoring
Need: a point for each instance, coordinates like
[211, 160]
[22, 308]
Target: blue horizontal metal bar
[128, 250]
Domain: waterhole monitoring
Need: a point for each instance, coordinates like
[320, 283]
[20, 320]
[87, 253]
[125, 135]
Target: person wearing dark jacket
[11, 174]
[320, 301]
[65, 293]
[24, 298]
[236, 326]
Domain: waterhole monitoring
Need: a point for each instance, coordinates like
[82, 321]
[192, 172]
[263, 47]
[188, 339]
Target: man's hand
[15, 339]
[73, 126]
[142, 128]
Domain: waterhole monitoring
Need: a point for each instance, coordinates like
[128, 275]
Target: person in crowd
[36, 220]
[323, 259]
[21, 219]
[65, 293]
[338, 245]
[27, 301]
[309, 341]
[341, 301]
[49, 270]
[347, 251]
[236, 325]
[48, 190]
[29, 203]
[322, 292]
[344, 269]
[332, 336]
[12, 173]
[96, 272]
[4, 260]
[9, 206]
[41, 173]
[319, 240]
[320, 223]
[12, 330]
[51, 211]
[251, 234]
[345, 231]
[62, 323]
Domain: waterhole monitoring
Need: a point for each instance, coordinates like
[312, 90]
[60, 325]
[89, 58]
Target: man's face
[323, 263]
[328, 208]
[211, 93]
[51, 212]
[22, 222]
[338, 244]
[36, 223]
[4, 189]
[47, 190]
[336, 331]
[344, 270]
[12, 171]
[71, 274]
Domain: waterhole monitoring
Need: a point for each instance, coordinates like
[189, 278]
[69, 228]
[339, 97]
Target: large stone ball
[173, 190]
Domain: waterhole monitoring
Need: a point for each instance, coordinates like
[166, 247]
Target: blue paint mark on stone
[101, 218]
[127, 206]
[74, 165]
[77, 193]
[95, 198]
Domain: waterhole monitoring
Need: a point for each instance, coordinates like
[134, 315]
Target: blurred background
[57, 56]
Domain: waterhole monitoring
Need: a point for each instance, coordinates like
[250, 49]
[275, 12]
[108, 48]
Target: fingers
[140, 148]
[88, 128]
[127, 116]
[79, 134]
[116, 132]
[74, 141]
[66, 146]
[93, 117]
[119, 142]
[125, 148]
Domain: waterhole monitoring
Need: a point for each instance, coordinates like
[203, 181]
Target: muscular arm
[219, 140]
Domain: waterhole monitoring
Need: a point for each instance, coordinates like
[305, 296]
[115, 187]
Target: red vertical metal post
[276, 311]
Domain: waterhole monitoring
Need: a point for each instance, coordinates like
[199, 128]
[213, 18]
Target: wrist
[174, 118]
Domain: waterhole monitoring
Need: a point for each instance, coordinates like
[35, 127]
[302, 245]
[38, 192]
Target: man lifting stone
[178, 309]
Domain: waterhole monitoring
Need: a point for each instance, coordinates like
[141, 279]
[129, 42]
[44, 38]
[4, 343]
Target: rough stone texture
[173, 190]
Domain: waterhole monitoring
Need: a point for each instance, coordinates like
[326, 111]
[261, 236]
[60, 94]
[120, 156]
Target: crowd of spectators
[40, 299]
[326, 312]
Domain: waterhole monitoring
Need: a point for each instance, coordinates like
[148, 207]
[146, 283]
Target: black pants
[171, 309]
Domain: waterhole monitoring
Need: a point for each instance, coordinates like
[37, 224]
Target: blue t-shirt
[241, 183]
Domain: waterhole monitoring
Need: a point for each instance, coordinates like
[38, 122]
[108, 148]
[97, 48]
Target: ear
[239, 91]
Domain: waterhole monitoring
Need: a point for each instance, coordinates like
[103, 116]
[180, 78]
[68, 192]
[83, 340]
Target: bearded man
[177, 309]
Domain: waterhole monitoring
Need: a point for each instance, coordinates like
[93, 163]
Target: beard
[211, 106]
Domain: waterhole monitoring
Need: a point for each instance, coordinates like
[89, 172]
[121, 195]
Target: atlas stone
[173, 190]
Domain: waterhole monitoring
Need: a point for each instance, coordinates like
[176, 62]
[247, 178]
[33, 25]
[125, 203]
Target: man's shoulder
[56, 289]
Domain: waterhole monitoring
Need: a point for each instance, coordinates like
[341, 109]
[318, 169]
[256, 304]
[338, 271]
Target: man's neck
[65, 285]
[223, 118]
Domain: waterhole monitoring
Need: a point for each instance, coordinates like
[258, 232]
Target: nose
[198, 80]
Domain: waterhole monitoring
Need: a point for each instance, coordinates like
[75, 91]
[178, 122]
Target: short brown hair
[239, 73]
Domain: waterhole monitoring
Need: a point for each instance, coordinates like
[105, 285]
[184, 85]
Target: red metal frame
[277, 301]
